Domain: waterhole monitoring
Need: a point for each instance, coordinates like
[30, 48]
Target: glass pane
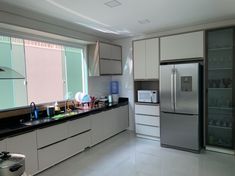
[74, 70]
[12, 91]
[220, 92]
[44, 72]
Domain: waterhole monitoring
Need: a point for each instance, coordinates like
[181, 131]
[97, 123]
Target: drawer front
[78, 126]
[50, 135]
[78, 143]
[148, 130]
[147, 109]
[51, 155]
[147, 120]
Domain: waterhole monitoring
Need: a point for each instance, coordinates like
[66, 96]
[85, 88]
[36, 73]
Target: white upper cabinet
[152, 58]
[105, 51]
[116, 52]
[104, 59]
[182, 46]
[146, 59]
[139, 59]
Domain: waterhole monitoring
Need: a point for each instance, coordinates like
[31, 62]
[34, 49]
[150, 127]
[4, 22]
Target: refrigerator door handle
[175, 87]
[172, 89]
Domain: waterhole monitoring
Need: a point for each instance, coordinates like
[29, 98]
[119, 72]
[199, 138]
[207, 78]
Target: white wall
[126, 80]
[98, 85]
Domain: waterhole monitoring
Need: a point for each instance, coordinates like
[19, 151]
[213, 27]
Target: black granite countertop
[13, 129]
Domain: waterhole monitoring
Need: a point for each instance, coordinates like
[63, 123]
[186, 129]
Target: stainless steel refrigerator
[180, 97]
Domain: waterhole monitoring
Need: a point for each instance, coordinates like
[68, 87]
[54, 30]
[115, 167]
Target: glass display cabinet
[220, 88]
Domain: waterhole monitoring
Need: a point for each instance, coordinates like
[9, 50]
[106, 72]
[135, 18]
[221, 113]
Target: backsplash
[99, 85]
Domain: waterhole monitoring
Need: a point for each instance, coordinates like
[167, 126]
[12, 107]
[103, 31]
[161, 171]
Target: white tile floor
[126, 155]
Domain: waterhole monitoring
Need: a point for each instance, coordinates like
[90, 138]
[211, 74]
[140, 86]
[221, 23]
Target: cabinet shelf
[217, 68]
[220, 88]
[220, 127]
[221, 108]
[220, 48]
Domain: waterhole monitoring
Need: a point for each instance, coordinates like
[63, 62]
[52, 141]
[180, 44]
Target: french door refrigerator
[180, 94]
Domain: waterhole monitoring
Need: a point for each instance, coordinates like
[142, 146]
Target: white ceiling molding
[94, 17]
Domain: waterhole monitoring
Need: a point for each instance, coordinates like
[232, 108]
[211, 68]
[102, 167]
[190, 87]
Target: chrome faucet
[33, 111]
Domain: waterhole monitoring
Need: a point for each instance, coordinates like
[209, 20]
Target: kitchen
[145, 52]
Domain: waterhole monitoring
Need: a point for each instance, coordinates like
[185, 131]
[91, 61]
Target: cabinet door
[97, 128]
[139, 59]
[105, 50]
[78, 143]
[122, 117]
[53, 154]
[116, 52]
[148, 130]
[183, 46]
[52, 134]
[3, 145]
[25, 144]
[78, 126]
[147, 110]
[110, 67]
[152, 58]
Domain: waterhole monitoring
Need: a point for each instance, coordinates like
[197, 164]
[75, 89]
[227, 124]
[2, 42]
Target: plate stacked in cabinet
[147, 121]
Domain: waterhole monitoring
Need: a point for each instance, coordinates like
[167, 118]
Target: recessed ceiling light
[113, 3]
[144, 21]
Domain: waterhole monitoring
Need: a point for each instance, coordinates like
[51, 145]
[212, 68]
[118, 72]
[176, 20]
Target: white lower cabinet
[97, 127]
[108, 123]
[147, 121]
[52, 134]
[53, 154]
[148, 130]
[25, 144]
[48, 146]
[3, 145]
[78, 126]
[78, 143]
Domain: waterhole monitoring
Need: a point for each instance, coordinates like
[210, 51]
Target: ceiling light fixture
[113, 3]
[144, 21]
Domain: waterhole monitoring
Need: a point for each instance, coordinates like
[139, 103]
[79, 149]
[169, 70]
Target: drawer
[52, 134]
[78, 143]
[53, 154]
[147, 109]
[147, 120]
[148, 130]
[78, 126]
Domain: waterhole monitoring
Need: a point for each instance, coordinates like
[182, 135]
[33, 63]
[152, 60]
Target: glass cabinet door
[220, 96]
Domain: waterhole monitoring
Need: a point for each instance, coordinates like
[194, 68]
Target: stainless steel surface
[8, 73]
[172, 89]
[12, 165]
[186, 101]
[178, 130]
[166, 87]
[179, 93]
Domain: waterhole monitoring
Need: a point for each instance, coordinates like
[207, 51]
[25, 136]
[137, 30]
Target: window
[49, 72]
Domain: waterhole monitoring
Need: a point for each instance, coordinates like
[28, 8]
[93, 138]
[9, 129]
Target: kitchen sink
[36, 122]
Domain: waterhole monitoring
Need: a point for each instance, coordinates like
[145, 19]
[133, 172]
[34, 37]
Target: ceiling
[125, 20]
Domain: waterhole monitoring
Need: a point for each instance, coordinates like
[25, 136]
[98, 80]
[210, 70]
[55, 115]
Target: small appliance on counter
[148, 96]
[12, 164]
